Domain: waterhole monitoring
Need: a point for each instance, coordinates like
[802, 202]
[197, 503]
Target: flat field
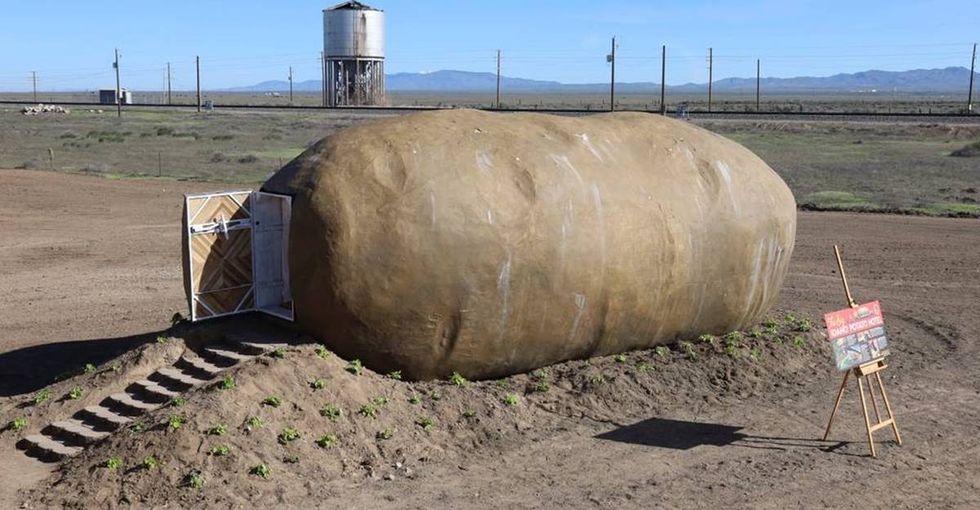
[869, 166]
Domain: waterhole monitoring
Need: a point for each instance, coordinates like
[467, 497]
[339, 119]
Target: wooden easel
[862, 372]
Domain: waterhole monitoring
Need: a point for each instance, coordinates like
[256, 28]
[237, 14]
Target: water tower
[354, 54]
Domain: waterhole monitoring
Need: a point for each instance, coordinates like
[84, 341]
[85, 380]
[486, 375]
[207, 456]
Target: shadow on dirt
[684, 435]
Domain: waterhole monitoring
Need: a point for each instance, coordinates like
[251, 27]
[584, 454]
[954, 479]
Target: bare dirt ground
[89, 269]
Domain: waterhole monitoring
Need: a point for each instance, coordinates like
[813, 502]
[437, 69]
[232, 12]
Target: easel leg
[888, 407]
[840, 395]
[867, 420]
[874, 403]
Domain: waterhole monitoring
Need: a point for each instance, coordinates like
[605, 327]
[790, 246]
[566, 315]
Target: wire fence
[638, 82]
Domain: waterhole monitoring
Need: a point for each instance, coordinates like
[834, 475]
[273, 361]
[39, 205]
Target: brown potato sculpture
[494, 243]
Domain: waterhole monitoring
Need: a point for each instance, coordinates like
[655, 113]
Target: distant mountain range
[949, 79]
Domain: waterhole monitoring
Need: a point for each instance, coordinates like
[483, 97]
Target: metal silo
[354, 54]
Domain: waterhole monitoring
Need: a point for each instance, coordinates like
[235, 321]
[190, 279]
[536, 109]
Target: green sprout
[318, 384]
[542, 386]
[150, 462]
[288, 435]
[272, 401]
[380, 401]
[663, 351]
[755, 355]
[137, 427]
[511, 399]
[331, 412]
[770, 323]
[254, 422]
[41, 396]
[218, 430]
[176, 421]
[194, 480]
[162, 339]
[469, 413]
[414, 399]
[279, 352]
[112, 463]
[798, 340]
[707, 339]
[116, 366]
[619, 358]
[89, 368]
[804, 325]
[261, 470]
[326, 441]
[355, 367]
[643, 366]
[368, 411]
[384, 434]
[220, 451]
[458, 380]
[177, 402]
[395, 374]
[228, 383]
[321, 351]
[17, 424]
[689, 350]
[597, 379]
[426, 423]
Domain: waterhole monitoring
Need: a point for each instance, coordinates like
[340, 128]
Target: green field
[871, 166]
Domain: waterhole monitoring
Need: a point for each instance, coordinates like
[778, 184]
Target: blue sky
[70, 43]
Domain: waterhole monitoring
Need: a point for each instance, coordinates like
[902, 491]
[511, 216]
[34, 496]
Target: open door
[235, 257]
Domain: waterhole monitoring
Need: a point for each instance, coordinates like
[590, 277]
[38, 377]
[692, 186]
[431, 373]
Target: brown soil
[708, 432]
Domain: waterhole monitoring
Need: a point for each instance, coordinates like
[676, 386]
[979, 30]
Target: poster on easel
[857, 335]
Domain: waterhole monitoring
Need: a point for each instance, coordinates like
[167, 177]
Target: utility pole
[323, 80]
[169, 97]
[290, 85]
[197, 65]
[710, 64]
[758, 74]
[973, 63]
[498, 80]
[663, 80]
[118, 88]
[34, 78]
[611, 58]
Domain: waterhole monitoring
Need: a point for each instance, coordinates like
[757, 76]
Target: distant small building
[108, 96]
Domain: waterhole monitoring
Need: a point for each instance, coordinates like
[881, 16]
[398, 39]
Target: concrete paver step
[79, 429]
[129, 401]
[228, 355]
[262, 346]
[53, 446]
[108, 415]
[156, 389]
[201, 365]
[181, 377]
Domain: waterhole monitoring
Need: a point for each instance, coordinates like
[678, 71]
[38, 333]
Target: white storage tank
[354, 51]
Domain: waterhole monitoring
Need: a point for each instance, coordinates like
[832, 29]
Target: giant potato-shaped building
[493, 243]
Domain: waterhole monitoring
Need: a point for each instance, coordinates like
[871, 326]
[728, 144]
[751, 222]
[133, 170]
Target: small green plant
[770, 333]
[542, 386]
[41, 396]
[469, 413]
[254, 422]
[458, 380]
[272, 401]
[804, 325]
[137, 427]
[368, 411]
[707, 339]
[620, 358]
[162, 339]
[218, 430]
[733, 341]
[112, 463]
[731, 350]
[227, 383]
[426, 423]
[789, 318]
[511, 399]
[755, 355]
[770, 323]
[597, 379]
[321, 351]
[318, 384]
[89, 368]
[331, 412]
[689, 350]
[150, 462]
[194, 480]
[755, 332]
[326, 441]
[17, 424]
[220, 451]
[435, 395]
[396, 375]
[177, 402]
[355, 367]
[288, 435]
[798, 340]
[279, 353]
[384, 434]
[643, 366]
[380, 401]
[261, 470]
[663, 351]
[176, 421]
[115, 366]
[502, 383]
[540, 374]
[414, 399]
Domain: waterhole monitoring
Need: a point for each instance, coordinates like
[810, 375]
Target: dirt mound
[289, 424]
[491, 243]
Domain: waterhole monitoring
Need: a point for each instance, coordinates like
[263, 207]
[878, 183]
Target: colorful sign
[857, 335]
